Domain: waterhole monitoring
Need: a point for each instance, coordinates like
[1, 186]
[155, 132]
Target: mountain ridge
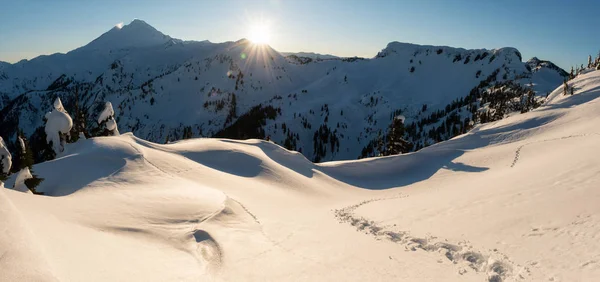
[170, 86]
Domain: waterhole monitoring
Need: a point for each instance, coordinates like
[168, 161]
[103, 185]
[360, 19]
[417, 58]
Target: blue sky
[564, 32]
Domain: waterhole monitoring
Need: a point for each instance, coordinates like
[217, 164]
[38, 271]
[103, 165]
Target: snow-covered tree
[107, 119]
[58, 126]
[5, 161]
[589, 61]
[23, 163]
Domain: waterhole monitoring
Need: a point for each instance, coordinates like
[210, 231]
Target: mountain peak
[139, 24]
[136, 34]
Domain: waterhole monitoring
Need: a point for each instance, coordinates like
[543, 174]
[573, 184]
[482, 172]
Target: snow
[23, 175]
[108, 115]
[58, 121]
[58, 105]
[21, 144]
[514, 200]
[400, 118]
[5, 157]
[311, 55]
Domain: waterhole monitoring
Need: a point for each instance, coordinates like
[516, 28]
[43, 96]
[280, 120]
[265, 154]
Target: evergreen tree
[24, 160]
[589, 61]
[3, 175]
[394, 141]
[79, 119]
[187, 132]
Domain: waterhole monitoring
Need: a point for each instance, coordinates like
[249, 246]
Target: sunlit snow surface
[513, 200]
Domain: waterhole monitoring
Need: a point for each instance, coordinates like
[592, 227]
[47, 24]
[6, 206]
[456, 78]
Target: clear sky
[562, 31]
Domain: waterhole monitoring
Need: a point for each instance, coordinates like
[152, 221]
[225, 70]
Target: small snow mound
[23, 175]
[111, 124]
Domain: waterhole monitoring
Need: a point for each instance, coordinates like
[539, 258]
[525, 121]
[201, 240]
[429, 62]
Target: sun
[259, 34]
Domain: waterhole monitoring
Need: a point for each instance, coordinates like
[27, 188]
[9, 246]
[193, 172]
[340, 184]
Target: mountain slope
[327, 109]
[512, 200]
[136, 34]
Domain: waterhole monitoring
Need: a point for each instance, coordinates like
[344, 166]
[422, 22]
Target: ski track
[497, 266]
[518, 151]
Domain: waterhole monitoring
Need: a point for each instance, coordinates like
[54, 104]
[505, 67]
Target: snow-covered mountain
[312, 55]
[137, 34]
[339, 108]
[511, 200]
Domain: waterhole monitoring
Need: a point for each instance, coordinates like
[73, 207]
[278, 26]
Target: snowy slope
[311, 55]
[162, 86]
[512, 200]
[136, 34]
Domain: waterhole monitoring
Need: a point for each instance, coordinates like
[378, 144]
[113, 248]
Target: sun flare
[259, 34]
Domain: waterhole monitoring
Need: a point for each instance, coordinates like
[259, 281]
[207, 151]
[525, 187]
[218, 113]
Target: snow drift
[512, 200]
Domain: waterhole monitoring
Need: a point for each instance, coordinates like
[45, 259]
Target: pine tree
[589, 61]
[571, 75]
[3, 175]
[79, 119]
[394, 141]
[24, 160]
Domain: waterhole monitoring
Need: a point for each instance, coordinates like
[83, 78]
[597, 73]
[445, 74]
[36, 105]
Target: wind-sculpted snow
[122, 208]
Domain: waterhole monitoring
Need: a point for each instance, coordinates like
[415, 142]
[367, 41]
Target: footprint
[473, 257]
[208, 250]
[497, 271]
